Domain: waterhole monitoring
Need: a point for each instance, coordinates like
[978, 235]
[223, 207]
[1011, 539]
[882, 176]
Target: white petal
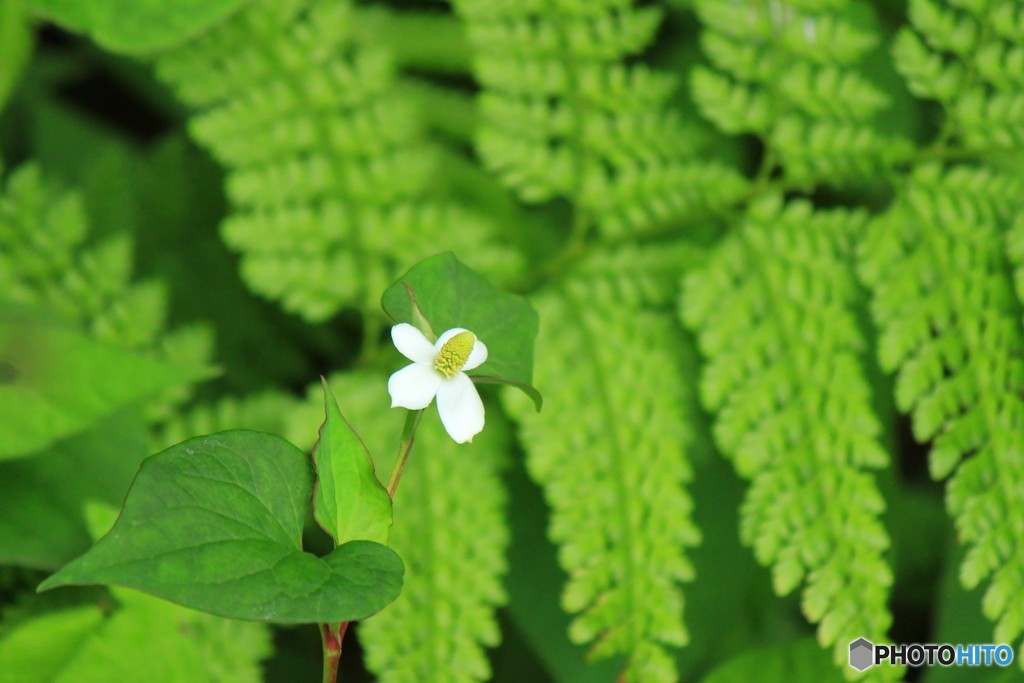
[460, 407]
[445, 336]
[476, 357]
[414, 386]
[411, 343]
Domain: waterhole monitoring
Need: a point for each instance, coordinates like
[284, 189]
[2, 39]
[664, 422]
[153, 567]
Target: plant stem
[331, 635]
[412, 420]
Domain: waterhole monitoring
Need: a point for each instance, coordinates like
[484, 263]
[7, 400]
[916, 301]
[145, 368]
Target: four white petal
[415, 385]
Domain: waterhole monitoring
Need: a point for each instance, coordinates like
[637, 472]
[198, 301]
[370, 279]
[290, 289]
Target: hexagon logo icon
[861, 652]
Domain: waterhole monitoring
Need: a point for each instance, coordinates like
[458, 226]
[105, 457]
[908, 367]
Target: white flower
[438, 370]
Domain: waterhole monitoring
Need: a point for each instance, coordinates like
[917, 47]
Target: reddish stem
[332, 636]
[412, 421]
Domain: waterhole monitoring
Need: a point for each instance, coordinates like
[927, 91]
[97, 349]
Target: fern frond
[950, 327]
[450, 531]
[787, 71]
[186, 346]
[831, 93]
[47, 261]
[638, 276]
[329, 171]
[1015, 254]
[564, 117]
[995, 119]
[265, 412]
[657, 193]
[39, 233]
[927, 74]
[969, 57]
[831, 149]
[614, 475]
[773, 308]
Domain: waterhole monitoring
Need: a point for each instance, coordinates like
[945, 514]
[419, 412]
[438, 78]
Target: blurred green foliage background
[226, 188]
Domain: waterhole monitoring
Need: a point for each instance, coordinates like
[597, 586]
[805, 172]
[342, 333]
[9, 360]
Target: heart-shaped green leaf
[215, 523]
[443, 293]
[349, 502]
[54, 381]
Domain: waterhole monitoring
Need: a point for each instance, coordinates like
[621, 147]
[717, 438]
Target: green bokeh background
[102, 124]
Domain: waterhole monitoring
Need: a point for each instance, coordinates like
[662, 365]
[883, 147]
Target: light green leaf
[446, 294]
[215, 523]
[138, 27]
[349, 503]
[158, 642]
[71, 14]
[38, 649]
[41, 518]
[54, 381]
[16, 43]
[145, 638]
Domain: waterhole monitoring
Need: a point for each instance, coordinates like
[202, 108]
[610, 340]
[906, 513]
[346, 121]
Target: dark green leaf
[445, 293]
[801, 661]
[535, 583]
[717, 501]
[349, 502]
[215, 523]
[959, 619]
[138, 27]
[55, 381]
[41, 520]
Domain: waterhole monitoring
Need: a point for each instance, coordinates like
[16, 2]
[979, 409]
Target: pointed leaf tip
[349, 502]
[215, 524]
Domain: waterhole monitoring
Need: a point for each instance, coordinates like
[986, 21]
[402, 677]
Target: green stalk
[332, 635]
[412, 421]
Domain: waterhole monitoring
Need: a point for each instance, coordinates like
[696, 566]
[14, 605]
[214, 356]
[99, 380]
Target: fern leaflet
[950, 325]
[773, 310]
[46, 261]
[787, 71]
[564, 117]
[263, 412]
[969, 58]
[615, 474]
[329, 170]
